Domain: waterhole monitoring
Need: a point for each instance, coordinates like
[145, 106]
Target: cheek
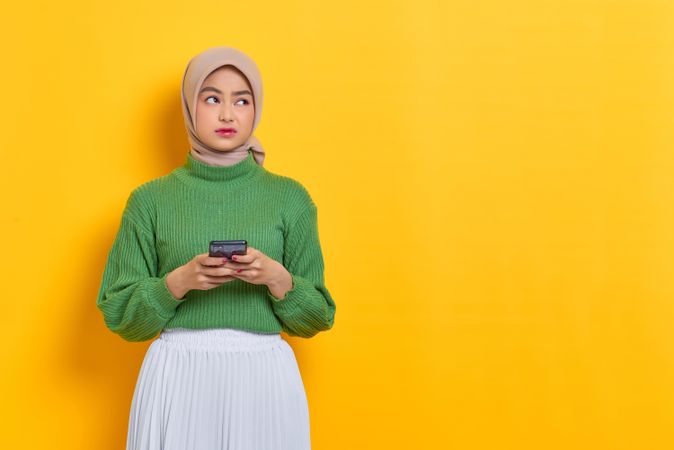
[202, 123]
[202, 116]
[250, 116]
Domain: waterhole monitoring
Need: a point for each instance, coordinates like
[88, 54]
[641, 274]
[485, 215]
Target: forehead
[226, 75]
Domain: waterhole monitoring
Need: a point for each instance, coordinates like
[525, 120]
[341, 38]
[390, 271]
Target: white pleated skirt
[219, 389]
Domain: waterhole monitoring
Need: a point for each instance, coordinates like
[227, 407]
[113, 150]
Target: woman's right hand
[203, 272]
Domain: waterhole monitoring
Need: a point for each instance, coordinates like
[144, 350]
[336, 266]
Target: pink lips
[226, 132]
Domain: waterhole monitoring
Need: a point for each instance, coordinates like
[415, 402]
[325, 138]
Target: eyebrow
[211, 88]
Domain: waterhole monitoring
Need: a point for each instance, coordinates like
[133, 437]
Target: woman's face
[225, 100]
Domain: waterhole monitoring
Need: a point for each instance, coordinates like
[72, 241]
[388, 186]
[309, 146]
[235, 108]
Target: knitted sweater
[167, 221]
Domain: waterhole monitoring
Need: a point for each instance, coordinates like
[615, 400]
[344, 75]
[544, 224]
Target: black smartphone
[228, 248]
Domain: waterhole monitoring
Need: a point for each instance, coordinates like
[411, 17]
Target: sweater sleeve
[136, 303]
[307, 307]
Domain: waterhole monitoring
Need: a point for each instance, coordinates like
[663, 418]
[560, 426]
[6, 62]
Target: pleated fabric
[219, 389]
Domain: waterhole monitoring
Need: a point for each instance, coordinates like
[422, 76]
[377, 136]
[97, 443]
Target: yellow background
[496, 207]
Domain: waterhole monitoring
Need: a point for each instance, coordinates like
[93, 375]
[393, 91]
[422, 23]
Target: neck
[217, 158]
[195, 172]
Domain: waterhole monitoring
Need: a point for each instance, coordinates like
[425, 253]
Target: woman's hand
[257, 268]
[203, 272]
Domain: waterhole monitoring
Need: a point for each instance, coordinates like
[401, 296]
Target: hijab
[198, 68]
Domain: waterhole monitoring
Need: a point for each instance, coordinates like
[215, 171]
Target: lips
[226, 132]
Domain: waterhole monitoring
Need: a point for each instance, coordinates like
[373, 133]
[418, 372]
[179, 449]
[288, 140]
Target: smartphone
[228, 248]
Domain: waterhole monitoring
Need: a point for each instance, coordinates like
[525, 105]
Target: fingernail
[234, 257]
[239, 270]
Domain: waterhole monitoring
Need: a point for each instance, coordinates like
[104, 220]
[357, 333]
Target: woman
[219, 375]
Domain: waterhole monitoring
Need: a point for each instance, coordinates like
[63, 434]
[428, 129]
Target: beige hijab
[198, 68]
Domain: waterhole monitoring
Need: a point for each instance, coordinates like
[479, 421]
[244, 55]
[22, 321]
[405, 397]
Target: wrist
[175, 284]
[281, 283]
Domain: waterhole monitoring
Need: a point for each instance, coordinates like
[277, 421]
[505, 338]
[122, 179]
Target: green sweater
[167, 221]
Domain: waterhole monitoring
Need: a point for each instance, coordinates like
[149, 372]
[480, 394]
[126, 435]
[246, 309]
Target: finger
[211, 261]
[217, 279]
[236, 265]
[220, 282]
[243, 272]
[218, 271]
[250, 255]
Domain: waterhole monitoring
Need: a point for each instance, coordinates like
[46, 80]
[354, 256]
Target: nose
[226, 112]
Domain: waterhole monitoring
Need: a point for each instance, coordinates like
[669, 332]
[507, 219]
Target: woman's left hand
[257, 268]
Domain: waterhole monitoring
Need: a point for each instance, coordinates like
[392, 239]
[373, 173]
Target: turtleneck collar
[195, 172]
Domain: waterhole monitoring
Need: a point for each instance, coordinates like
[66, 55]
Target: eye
[209, 97]
[243, 100]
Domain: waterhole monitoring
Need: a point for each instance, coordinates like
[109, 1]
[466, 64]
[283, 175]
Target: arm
[307, 307]
[135, 302]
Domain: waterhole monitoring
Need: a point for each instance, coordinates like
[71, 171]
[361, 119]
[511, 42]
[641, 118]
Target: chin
[218, 146]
